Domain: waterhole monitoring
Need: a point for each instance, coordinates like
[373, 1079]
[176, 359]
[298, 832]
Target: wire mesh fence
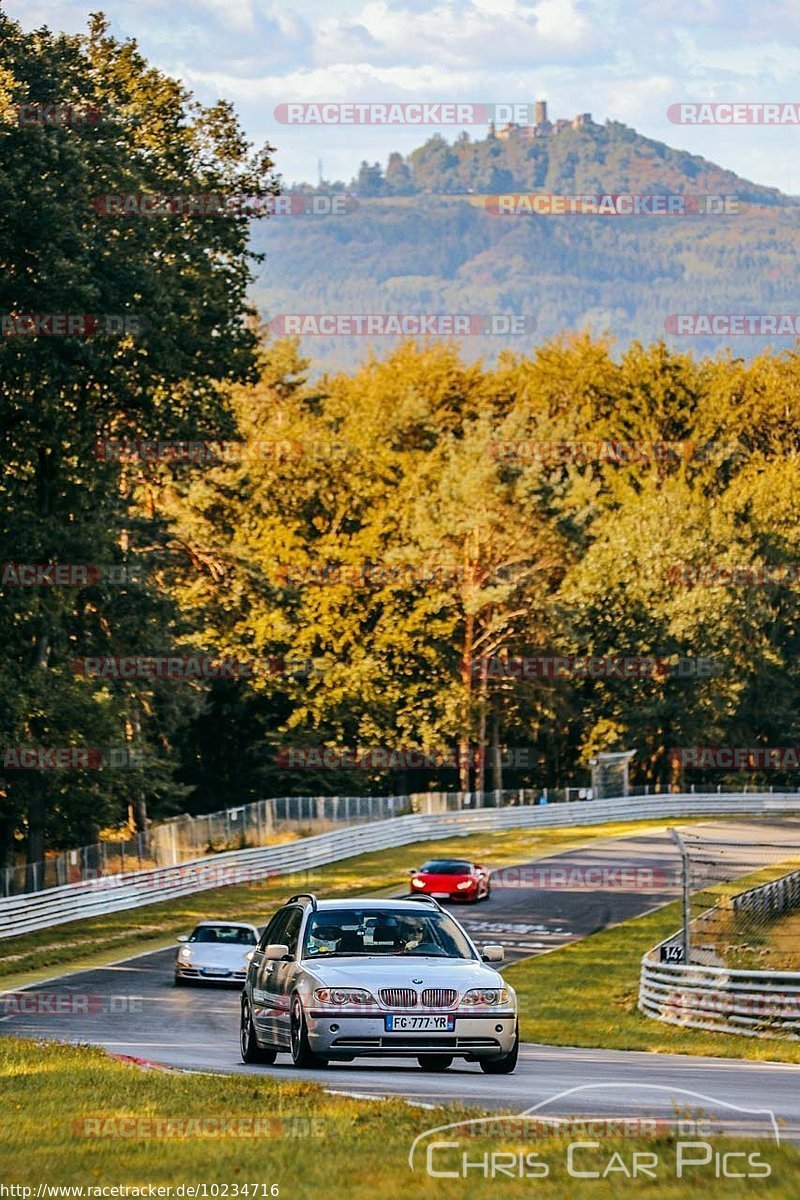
[741, 902]
[265, 822]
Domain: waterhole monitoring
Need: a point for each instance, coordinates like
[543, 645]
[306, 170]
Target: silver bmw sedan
[333, 980]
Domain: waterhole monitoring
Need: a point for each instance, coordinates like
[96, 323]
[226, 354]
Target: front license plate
[397, 1022]
[214, 971]
[441, 895]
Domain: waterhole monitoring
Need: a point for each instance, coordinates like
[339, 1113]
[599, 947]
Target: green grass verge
[772, 946]
[357, 1149]
[585, 994]
[749, 940]
[97, 940]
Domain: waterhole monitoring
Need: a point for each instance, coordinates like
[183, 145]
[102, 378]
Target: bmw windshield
[353, 932]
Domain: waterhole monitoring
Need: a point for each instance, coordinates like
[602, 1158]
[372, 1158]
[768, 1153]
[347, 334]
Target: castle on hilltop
[541, 126]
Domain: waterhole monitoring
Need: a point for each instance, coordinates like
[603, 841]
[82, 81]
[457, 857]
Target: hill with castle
[424, 238]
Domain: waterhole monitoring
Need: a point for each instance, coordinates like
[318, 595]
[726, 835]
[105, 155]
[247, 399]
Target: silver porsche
[215, 952]
[334, 980]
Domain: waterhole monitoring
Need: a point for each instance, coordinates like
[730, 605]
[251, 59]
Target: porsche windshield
[341, 933]
[224, 935]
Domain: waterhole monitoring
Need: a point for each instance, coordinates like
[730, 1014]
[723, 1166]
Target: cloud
[623, 59]
[452, 34]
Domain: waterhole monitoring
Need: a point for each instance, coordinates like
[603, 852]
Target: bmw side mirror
[493, 954]
[276, 950]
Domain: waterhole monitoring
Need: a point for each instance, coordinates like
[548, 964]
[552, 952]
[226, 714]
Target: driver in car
[324, 939]
[411, 934]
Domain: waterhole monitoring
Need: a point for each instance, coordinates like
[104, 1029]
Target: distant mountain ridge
[422, 241]
[566, 156]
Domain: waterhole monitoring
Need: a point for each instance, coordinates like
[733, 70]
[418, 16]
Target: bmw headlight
[486, 998]
[343, 997]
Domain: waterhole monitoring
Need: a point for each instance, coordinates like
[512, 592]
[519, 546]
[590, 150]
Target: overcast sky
[623, 59]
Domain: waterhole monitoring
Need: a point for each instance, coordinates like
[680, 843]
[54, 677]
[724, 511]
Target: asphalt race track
[134, 1009]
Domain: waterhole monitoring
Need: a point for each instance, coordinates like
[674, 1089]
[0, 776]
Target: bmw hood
[380, 971]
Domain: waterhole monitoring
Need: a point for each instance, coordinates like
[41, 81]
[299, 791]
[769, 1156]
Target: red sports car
[451, 879]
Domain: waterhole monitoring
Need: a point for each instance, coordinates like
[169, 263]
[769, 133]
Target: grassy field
[751, 943]
[76, 1117]
[103, 939]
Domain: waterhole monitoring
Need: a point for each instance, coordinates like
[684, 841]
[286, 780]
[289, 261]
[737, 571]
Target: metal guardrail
[775, 899]
[727, 999]
[185, 838]
[97, 897]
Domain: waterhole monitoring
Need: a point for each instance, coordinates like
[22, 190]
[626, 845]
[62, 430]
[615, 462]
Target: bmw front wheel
[504, 1065]
[302, 1054]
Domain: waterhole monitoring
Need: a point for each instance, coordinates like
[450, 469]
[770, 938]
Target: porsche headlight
[185, 953]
